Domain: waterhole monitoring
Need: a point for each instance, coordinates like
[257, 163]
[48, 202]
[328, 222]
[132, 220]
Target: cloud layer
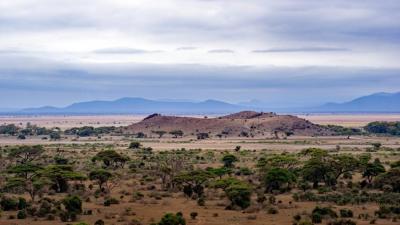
[313, 51]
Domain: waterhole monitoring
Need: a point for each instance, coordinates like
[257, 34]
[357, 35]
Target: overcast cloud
[287, 52]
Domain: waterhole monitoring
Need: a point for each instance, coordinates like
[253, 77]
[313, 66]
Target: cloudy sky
[283, 53]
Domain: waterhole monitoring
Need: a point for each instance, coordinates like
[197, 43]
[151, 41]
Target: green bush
[316, 217]
[21, 214]
[172, 219]
[111, 201]
[193, 215]
[99, 222]
[22, 203]
[73, 204]
[342, 222]
[8, 204]
[346, 213]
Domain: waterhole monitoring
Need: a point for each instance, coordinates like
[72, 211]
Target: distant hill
[245, 124]
[139, 106]
[378, 102]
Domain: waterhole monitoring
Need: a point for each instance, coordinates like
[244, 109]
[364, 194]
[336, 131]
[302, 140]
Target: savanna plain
[104, 170]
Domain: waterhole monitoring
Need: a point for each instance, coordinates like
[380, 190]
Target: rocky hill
[245, 124]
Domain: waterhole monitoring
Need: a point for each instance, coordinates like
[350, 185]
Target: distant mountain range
[139, 106]
[375, 103]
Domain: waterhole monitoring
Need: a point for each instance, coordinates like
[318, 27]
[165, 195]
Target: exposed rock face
[245, 123]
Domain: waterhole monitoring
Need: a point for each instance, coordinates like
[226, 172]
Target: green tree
[24, 154]
[160, 133]
[194, 179]
[239, 194]
[100, 176]
[111, 158]
[343, 163]
[390, 178]
[172, 219]
[372, 170]
[228, 160]
[135, 145]
[237, 191]
[176, 133]
[316, 170]
[32, 186]
[278, 178]
[26, 177]
[220, 172]
[59, 175]
[73, 207]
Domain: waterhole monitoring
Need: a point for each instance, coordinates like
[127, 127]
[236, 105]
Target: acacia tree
[194, 180]
[101, 177]
[111, 158]
[160, 133]
[24, 154]
[343, 163]
[220, 172]
[228, 160]
[176, 133]
[26, 177]
[277, 178]
[32, 186]
[372, 170]
[168, 165]
[316, 170]
[390, 179]
[327, 168]
[237, 191]
[60, 175]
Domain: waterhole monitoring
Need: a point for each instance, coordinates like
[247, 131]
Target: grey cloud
[221, 51]
[302, 49]
[123, 50]
[284, 84]
[186, 48]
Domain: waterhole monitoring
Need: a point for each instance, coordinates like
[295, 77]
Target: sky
[285, 53]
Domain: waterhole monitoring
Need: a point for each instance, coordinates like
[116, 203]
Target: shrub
[193, 215]
[201, 201]
[21, 214]
[99, 222]
[297, 217]
[22, 203]
[316, 217]
[111, 201]
[134, 145]
[171, 219]
[73, 204]
[272, 210]
[342, 222]
[346, 213]
[8, 204]
[325, 211]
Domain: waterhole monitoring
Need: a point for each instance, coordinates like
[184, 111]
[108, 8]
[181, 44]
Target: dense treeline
[90, 131]
[392, 128]
[54, 133]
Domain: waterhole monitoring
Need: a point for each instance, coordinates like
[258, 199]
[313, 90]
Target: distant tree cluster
[340, 130]
[87, 131]
[29, 130]
[392, 128]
